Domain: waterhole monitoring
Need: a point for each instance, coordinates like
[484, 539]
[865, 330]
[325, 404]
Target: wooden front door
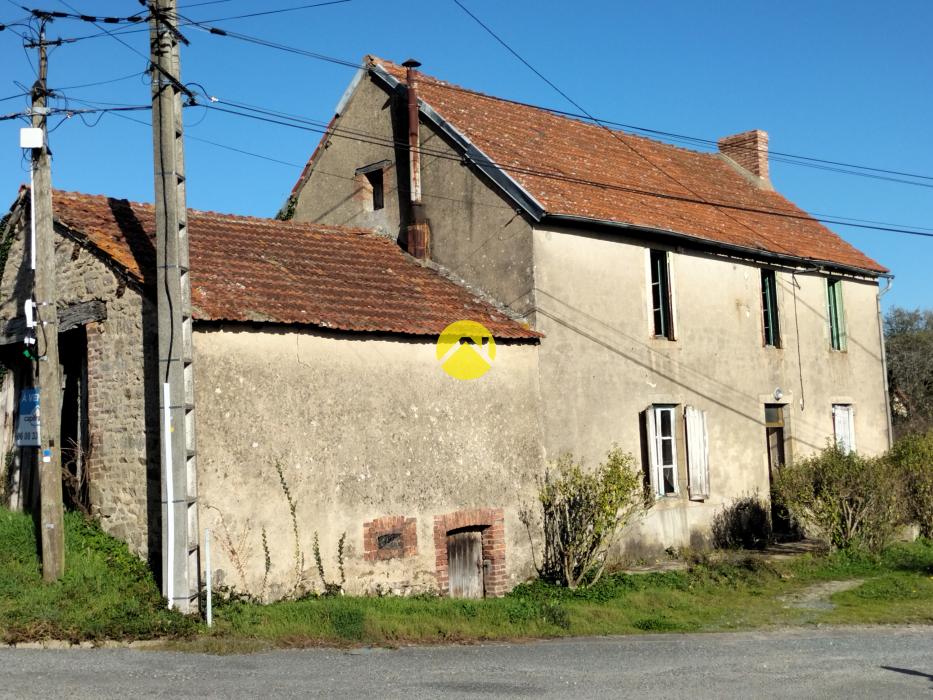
[465, 563]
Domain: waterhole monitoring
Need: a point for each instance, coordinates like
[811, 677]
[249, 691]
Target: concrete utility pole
[50, 383]
[180, 557]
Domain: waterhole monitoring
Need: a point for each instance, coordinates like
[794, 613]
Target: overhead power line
[277, 117]
[189, 22]
[778, 156]
[613, 133]
[279, 11]
[321, 128]
[841, 167]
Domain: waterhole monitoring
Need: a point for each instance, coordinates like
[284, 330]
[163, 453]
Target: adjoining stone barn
[316, 369]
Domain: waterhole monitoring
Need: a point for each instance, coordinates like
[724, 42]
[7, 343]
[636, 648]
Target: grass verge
[109, 593]
[106, 592]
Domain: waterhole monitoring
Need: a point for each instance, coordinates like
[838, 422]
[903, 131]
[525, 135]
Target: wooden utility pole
[180, 557]
[48, 370]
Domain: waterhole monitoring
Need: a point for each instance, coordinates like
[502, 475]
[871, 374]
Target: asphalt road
[823, 663]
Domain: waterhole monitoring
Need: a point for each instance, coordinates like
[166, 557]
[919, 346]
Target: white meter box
[30, 137]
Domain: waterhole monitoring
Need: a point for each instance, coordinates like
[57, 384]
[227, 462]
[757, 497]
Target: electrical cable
[777, 156]
[789, 214]
[614, 134]
[100, 82]
[199, 4]
[278, 11]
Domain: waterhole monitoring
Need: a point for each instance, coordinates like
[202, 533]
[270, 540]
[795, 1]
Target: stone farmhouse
[639, 294]
[689, 312]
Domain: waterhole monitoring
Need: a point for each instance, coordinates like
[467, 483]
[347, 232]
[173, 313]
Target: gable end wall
[476, 233]
[122, 409]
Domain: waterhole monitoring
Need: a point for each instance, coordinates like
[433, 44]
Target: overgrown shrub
[851, 500]
[582, 512]
[912, 457]
[743, 524]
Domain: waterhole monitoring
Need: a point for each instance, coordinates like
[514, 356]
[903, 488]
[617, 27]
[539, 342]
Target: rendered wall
[364, 430]
[475, 232]
[600, 366]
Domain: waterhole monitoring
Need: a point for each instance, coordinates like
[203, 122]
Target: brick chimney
[748, 150]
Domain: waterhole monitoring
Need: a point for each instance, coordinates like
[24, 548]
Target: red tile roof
[251, 269]
[647, 183]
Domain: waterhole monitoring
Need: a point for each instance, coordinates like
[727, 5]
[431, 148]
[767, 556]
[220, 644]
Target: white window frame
[844, 427]
[655, 450]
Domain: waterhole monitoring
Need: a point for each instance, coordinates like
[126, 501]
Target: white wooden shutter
[653, 457]
[851, 413]
[697, 453]
[844, 427]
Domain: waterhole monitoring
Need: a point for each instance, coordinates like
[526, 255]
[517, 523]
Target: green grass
[732, 595]
[109, 593]
[106, 592]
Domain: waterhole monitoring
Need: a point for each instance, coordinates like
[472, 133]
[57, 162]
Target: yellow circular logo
[466, 350]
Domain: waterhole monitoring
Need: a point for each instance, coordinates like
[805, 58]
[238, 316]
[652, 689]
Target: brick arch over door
[492, 523]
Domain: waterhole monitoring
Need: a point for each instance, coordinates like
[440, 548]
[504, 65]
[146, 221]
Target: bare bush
[582, 513]
[743, 524]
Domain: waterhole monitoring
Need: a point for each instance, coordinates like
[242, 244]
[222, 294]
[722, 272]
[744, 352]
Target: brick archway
[492, 523]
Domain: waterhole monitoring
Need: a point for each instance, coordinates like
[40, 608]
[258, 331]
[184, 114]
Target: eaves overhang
[669, 236]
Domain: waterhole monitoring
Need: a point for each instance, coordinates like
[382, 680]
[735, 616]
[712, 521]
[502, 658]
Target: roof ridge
[208, 213]
[550, 111]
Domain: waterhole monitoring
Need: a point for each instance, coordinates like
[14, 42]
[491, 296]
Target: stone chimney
[748, 150]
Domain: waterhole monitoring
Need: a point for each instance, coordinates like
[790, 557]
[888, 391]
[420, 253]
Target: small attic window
[375, 178]
[376, 182]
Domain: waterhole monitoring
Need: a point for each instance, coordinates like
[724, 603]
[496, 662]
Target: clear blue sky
[846, 81]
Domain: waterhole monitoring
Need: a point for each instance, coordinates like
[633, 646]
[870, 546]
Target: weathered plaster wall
[363, 429]
[600, 366]
[123, 481]
[475, 232]
[333, 194]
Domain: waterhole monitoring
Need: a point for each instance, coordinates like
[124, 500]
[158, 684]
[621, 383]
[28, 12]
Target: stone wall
[122, 410]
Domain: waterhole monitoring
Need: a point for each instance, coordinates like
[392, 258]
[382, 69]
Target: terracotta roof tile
[522, 138]
[252, 269]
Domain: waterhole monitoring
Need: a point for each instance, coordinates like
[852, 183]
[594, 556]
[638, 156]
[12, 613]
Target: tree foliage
[851, 500]
[582, 512]
[912, 456]
[909, 347]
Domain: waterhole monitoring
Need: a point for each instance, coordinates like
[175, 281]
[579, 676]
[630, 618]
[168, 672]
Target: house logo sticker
[466, 350]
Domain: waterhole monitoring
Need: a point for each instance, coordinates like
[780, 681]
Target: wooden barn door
[465, 563]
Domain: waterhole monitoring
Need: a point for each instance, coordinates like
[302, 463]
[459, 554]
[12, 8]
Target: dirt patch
[817, 596]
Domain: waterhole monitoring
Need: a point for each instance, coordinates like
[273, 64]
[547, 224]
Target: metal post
[49, 372]
[209, 612]
[181, 566]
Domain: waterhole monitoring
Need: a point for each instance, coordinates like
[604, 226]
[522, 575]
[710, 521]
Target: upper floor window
[771, 327]
[837, 320]
[374, 175]
[661, 308]
[376, 181]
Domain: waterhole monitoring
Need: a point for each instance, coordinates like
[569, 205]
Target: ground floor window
[844, 427]
[662, 449]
